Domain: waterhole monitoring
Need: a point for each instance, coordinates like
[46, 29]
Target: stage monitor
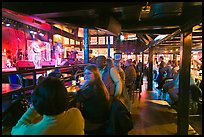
[25, 65]
[46, 64]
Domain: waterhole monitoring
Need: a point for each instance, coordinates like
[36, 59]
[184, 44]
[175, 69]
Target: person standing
[162, 70]
[130, 75]
[124, 95]
[110, 77]
[36, 50]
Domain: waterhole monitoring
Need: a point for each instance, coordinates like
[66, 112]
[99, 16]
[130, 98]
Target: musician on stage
[36, 53]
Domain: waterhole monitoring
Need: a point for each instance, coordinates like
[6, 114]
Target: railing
[68, 69]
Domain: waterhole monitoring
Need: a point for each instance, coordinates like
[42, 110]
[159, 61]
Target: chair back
[15, 79]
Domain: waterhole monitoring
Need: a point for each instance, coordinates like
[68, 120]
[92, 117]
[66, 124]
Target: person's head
[91, 73]
[57, 70]
[128, 62]
[161, 58]
[54, 74]
[40, 79]
[100, 61]
[169, 62]
[174, 63]
[109, 62]
[50, 97]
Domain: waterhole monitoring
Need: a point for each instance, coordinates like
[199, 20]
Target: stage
[8, 69]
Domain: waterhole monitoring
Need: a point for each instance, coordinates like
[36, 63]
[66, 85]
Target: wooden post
[184, 83]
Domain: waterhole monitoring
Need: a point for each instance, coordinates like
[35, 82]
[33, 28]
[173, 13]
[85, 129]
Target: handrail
[34, 72]
[41, 69]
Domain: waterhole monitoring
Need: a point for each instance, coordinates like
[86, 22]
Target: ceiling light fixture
[145, 10]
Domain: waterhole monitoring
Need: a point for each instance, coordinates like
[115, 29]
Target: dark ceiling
[125, 17]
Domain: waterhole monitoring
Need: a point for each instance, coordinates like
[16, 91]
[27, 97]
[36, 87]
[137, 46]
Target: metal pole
[86, 46]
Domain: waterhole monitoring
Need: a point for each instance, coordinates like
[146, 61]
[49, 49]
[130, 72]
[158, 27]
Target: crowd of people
[106, 79]
[166, 75]
[50, 111]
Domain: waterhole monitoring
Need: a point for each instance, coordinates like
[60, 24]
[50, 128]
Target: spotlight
[31, 31]
[41, 34]
[8, 24]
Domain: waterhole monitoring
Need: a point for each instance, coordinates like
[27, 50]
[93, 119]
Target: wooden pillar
[143, 61]
[86, 46]
[150, 70]
[184, 82]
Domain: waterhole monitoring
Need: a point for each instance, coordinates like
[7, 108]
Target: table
[66, 75]
[73, 88]
[7, 88]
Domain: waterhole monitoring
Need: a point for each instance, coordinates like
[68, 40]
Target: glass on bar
[73, 82]
[81, 80]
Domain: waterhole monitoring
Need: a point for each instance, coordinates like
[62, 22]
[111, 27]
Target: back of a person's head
[102, 57]
[50, 97]
[109, 62]
[40, 79]
[54, 74]
[100, 61]
[128, 62]
[161, 57]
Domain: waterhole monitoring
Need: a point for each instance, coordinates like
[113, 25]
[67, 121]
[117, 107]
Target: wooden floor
[152, 116]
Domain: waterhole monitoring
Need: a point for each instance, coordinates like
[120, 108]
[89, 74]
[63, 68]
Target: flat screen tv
[117, 56]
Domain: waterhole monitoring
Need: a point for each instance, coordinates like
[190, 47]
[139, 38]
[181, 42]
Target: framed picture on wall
[117, 56]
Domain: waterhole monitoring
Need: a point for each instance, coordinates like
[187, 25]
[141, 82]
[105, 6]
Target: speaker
[24, 65]
[46, 64]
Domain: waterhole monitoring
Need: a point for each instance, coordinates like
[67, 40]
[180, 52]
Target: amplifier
[24, 65]
[46, 64]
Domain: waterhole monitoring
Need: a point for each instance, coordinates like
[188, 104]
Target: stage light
[121, 37]
[41, 34]
[31, 31]
[8, 24]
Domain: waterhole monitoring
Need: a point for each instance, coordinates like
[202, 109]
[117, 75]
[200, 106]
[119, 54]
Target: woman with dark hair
[94, 97]
[49, 113]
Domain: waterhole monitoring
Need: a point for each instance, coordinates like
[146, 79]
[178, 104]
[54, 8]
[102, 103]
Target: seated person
[56, 73]
[173, 90]
[94, 97]
[40, 79]
[49, 113]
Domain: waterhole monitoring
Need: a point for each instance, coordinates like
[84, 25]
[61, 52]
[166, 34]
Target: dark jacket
[94, 104]
[120, 120]
[130, 75]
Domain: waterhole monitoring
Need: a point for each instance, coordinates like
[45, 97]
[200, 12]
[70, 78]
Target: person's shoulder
[73, 111]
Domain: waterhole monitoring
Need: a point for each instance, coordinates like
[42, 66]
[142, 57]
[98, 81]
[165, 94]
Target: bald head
[100, 61]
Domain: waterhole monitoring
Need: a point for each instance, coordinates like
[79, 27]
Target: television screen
[117, 56]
